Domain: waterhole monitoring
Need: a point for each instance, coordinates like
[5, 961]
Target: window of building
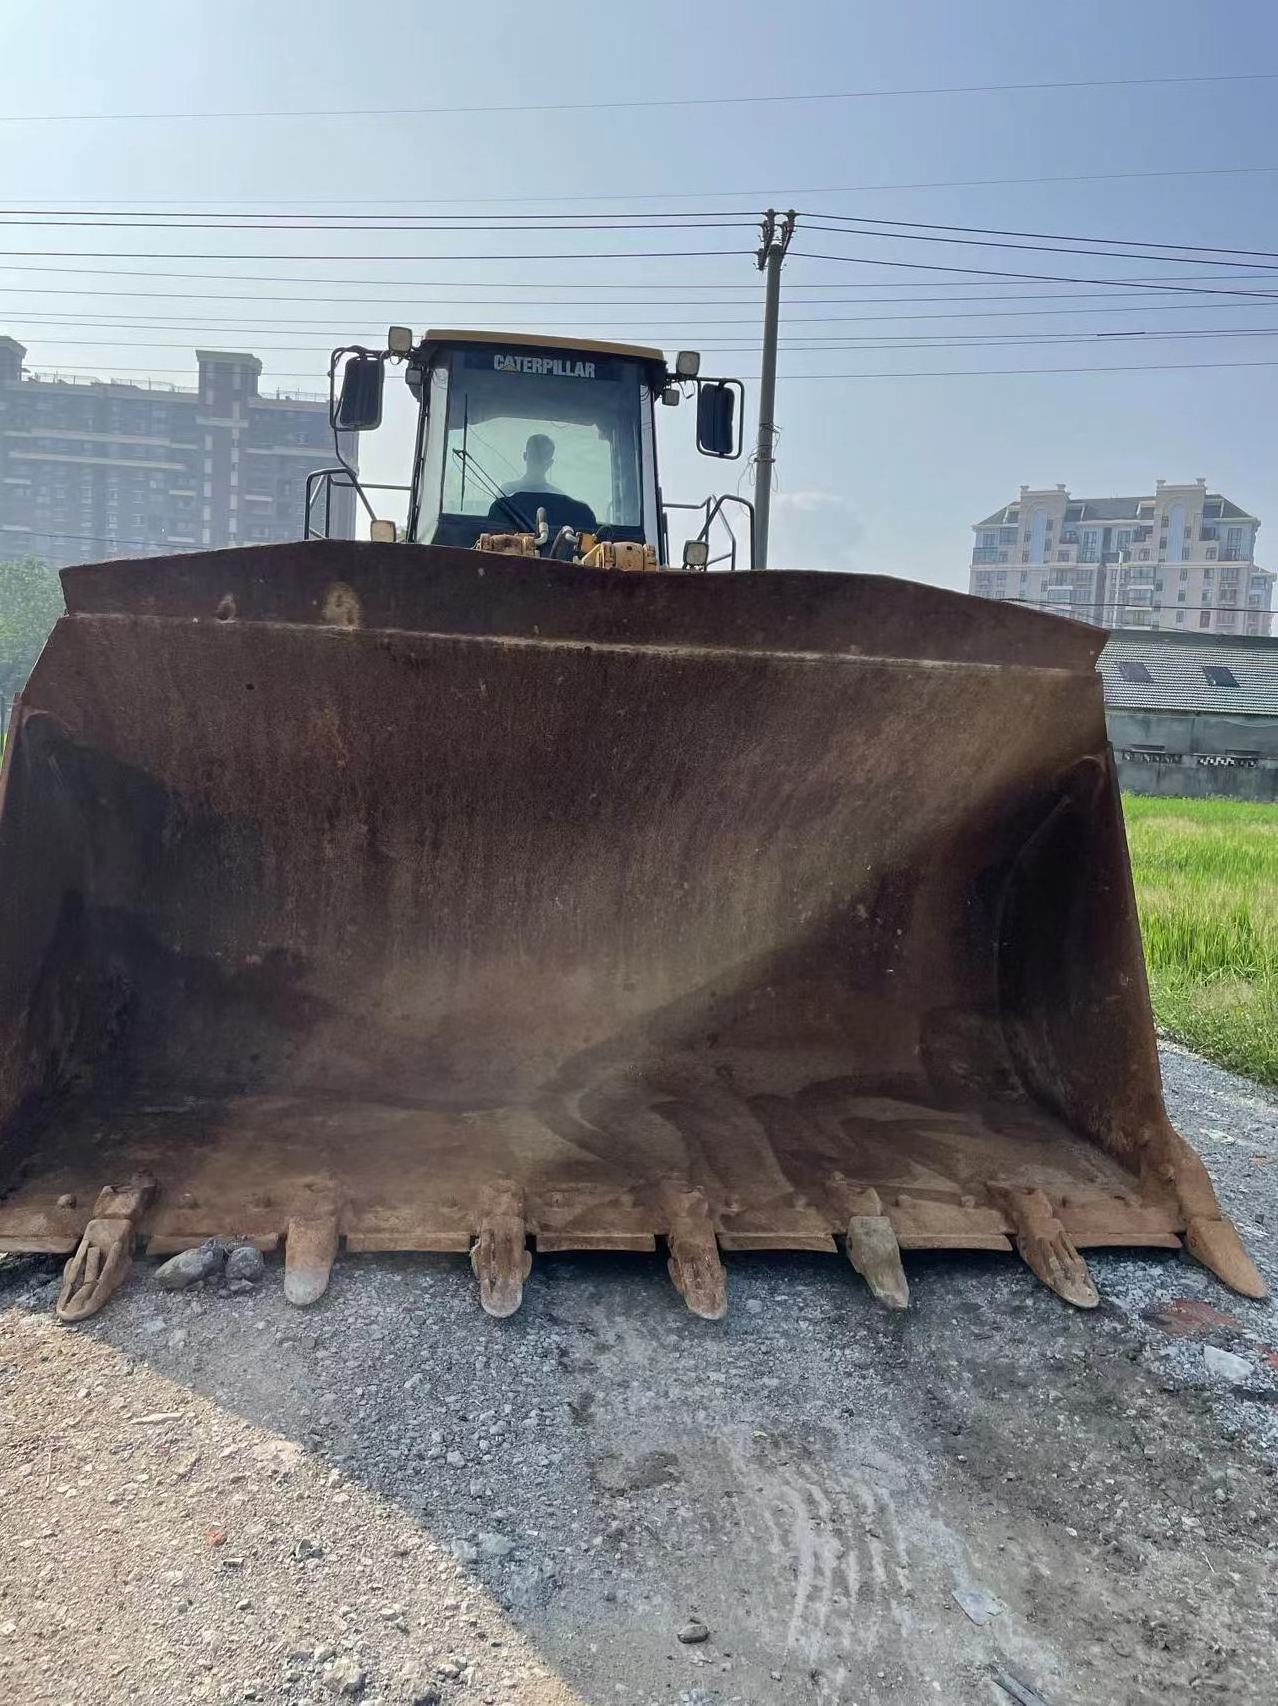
[1132, 670]
[1143, 556]
[1219, 674]
[1180, 615]
[1062, 556]
[1180, 596]
[1204, 618]
[1237, 540]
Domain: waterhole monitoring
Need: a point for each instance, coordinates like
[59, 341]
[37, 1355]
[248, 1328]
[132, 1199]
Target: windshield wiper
[467, 457]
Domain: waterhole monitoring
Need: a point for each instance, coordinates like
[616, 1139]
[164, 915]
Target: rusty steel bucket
[417, 899]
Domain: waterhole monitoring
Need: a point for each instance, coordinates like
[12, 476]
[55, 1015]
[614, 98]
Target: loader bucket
[406, 898]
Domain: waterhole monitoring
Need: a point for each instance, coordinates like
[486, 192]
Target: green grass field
[1207, 887]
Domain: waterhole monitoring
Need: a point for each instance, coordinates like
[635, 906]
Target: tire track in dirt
[838, 1574]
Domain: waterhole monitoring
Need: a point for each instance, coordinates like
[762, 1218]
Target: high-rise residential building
[1181, 558]
[93, 468]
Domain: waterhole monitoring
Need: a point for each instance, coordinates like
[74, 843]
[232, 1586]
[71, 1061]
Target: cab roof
[638, 352]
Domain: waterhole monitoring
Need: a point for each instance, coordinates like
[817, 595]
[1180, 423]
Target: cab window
[543, 421]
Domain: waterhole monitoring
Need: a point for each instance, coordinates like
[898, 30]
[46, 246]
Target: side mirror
[359, 407]
[716, 419]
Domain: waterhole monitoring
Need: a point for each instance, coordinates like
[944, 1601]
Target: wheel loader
[505, 888]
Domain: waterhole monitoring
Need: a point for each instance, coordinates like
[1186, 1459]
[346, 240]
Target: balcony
[987, 554]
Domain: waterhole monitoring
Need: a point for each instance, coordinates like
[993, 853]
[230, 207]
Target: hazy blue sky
[877, 474]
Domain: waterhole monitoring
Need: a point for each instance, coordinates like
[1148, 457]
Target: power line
[187, 255]
[1211, 260]
[1189, 254]
[1213, 249]
[1000, 372]
[364, 302]
[1152, 284]
[1193, 254]
[35, 320]
[993, 340]
[700, 195]
[567, 222]
[905, 230]
[360, 302]
[724, 346]
[105, 539]
[1035, 277]
[898, 373]
[665, 101]
[179, 218]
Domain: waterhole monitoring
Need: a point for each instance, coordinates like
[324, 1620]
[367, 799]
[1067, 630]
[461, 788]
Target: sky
[886, 456]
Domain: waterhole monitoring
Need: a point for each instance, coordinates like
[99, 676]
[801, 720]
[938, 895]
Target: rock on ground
[209, 1497]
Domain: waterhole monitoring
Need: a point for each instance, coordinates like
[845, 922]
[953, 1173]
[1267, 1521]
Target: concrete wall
[1196, 754]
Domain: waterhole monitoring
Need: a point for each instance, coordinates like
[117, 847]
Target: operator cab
[513, 425]
[534, 446]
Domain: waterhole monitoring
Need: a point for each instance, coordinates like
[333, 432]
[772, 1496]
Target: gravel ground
[392, 1498]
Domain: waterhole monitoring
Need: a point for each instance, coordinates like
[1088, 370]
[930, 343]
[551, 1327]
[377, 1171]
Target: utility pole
[775, 234]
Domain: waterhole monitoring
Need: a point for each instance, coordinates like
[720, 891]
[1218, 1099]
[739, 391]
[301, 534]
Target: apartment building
[91, 468]
[1179, 558]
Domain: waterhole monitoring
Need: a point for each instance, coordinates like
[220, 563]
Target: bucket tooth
[694, 1263]
[500, 1256]
[101, 1263]
[1046, 1248]
[309, 1250]
[874, 1251]
[1216, 1244]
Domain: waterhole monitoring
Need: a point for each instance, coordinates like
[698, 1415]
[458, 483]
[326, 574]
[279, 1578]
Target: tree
[30, 603]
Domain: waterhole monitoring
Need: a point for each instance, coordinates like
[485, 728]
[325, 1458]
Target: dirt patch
[211, 1497]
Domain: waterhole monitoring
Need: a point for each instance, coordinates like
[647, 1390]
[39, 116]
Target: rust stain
[1190, 1318]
